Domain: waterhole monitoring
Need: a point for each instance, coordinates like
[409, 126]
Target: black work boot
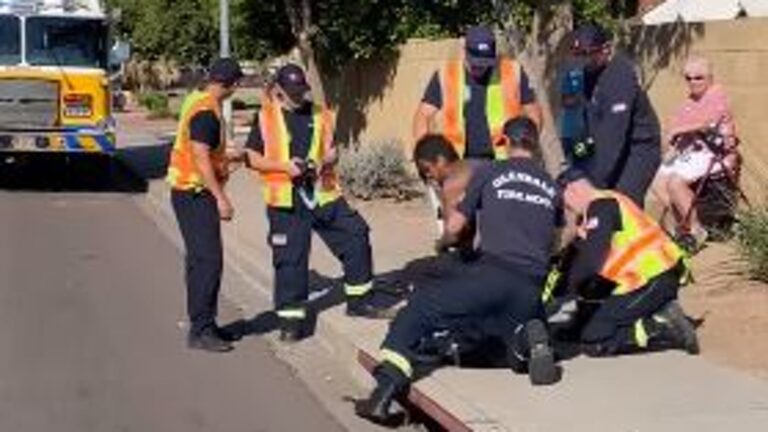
[209, 340]
[364, 306]
[291, 329]
[517, 351]
[671, 325]
[541, 357]
[389, 384]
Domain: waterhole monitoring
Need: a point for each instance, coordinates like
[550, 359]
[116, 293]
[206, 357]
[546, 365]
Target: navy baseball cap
[521, 129]
[480, 46]
[225, 71]
[292, 80]
[589, 37]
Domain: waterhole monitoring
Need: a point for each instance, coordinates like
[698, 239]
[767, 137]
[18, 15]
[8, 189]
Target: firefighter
[292, 146]
[613, 133]
[475, 95]
[627, 268]
[500, 291]
[197, 174]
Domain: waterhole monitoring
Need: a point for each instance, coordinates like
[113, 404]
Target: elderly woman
[688, 159]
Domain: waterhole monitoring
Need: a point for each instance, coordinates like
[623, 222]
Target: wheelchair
[717, 193]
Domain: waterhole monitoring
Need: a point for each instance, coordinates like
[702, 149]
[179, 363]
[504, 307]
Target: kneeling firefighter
[628, 270]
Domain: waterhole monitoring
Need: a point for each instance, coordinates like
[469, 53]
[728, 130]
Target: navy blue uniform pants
[198, 219]
[484, 295]
[611, 327]
[340, 227]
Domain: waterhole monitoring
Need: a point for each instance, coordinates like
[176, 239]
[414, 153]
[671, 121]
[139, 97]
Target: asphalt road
[91, 299]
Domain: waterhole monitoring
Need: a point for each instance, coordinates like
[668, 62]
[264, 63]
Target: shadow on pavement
[147, 162]
[58, 172]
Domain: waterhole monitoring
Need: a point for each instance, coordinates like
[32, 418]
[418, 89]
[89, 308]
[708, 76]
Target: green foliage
[342, 30]
[377, 170]
[752, 237]
[185, 30]
[157, 104]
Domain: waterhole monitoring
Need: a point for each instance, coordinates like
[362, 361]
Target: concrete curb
[358, 358]
[689, 395]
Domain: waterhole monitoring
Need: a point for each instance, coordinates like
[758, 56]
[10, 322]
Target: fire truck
[55, 57]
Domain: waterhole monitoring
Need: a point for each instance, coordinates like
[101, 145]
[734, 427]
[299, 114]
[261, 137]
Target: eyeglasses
[690, 78]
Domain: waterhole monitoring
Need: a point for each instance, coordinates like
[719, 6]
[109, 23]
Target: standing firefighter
[292, 146]
[197, 174]
[475, 95]
[612, 133]
[628, 268]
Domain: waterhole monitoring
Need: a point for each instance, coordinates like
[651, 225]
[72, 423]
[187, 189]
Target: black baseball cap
[589, 37]
[569, 176]
[480, 46]
[292, 80]
[225, 71]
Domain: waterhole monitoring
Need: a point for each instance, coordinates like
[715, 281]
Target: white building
[704, 10]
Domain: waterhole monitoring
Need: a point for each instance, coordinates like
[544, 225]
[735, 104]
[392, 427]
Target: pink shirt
[710, 108]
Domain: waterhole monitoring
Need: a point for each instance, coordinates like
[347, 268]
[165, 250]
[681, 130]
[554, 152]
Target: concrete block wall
[376, 99]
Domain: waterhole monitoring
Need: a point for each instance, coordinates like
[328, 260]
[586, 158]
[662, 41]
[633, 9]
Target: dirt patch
[733, 308]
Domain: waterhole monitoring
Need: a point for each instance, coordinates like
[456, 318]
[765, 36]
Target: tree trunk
[300, 16]
[539, 53]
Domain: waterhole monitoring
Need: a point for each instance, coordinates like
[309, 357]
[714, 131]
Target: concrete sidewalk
[657, 392]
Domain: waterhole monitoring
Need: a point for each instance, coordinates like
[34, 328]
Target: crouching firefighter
[500, 290]
[292, 146]
[628, 270]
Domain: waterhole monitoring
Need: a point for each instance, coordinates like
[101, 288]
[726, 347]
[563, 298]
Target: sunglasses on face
[691, 78]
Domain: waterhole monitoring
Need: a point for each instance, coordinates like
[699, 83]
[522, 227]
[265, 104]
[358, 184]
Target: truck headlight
[78, 105]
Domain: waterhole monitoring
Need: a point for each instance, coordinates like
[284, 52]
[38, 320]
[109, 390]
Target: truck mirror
[120, 53]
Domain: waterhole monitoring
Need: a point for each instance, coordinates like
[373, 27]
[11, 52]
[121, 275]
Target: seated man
[629, 269]
[690, 159]
[501, 289]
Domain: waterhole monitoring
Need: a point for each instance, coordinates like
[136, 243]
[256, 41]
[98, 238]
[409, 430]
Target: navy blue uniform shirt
[518, 208]
[475, 121]
[205, 128]
[300, 128]
[623, 124]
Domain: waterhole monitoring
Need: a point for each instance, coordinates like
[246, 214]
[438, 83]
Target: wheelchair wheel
[716, 208]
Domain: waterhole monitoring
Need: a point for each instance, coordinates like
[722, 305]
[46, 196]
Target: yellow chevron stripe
[57, 141]
[89, 143]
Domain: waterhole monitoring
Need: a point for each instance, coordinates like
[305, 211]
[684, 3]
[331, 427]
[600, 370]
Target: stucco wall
[376, 100]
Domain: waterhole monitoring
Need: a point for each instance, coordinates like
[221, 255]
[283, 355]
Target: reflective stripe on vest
[183, 173]
[502, 102]
[278, 187]
[640, 251]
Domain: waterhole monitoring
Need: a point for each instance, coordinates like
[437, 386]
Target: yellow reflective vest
[640, 251]
[501, 104]
[278, 186]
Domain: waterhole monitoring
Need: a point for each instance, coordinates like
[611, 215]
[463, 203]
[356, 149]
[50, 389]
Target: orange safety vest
[278, 186]
[640, 251]
[183, 172]
[502, 102]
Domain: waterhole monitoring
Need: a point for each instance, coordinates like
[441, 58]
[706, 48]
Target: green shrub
[752, 237]
[377, 170]
[157, 104]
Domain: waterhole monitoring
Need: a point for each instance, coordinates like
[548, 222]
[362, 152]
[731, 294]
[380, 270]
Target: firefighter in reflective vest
[628, 270]
[197, 173]
[475, 96]
[291, 146]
